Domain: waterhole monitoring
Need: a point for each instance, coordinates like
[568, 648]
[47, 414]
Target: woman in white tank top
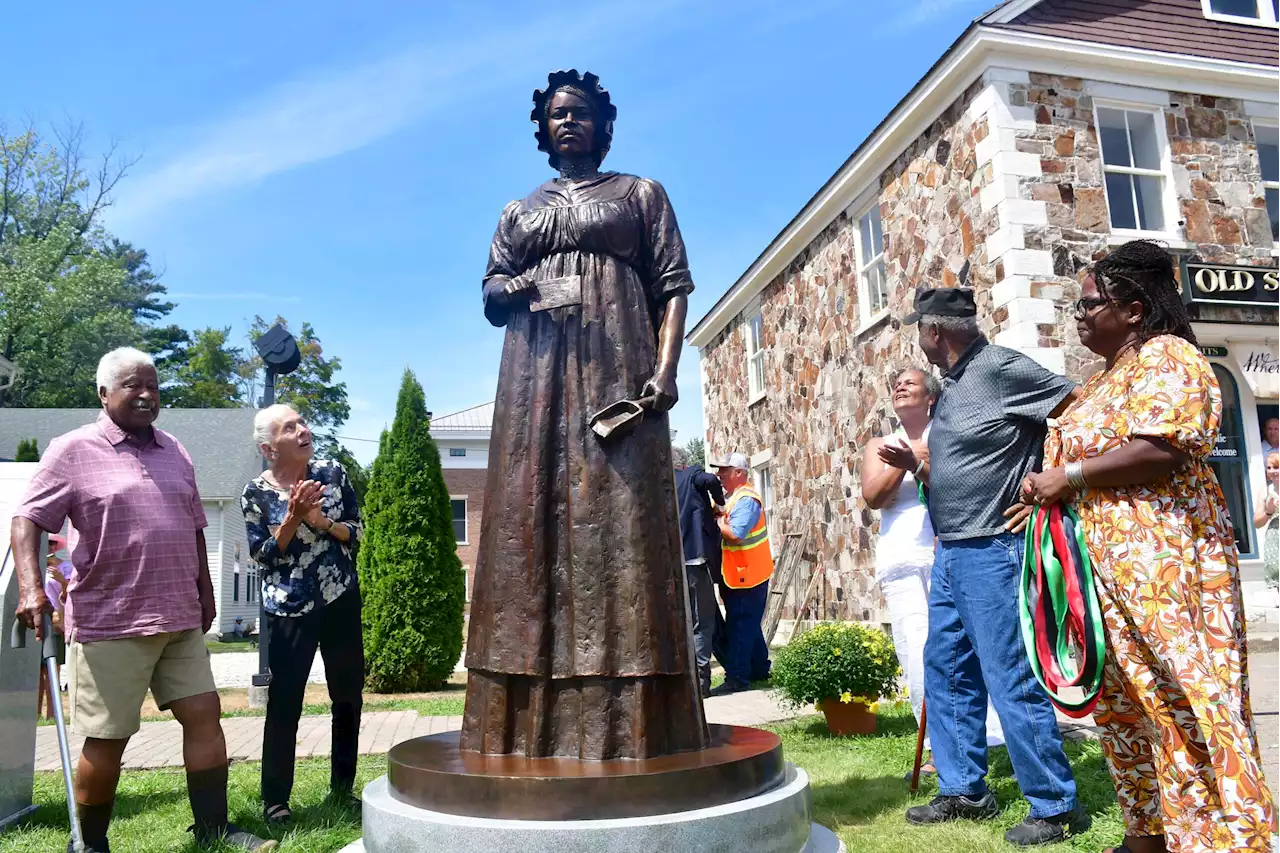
[904, 552]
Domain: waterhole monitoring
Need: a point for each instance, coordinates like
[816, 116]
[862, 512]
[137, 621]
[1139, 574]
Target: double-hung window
[459, 507]
[1259, 13]
[1268, 138]
[1136, 174]
[873, 287]
[755, 356]
[764, 485]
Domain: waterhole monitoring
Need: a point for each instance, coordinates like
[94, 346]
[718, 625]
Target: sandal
[277, 814]
[927, 769]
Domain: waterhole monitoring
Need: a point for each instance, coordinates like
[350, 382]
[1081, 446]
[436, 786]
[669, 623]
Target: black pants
[704, 612]
[335, 629]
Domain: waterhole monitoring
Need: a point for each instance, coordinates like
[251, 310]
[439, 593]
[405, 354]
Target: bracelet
[919, 468]
[1075, 476]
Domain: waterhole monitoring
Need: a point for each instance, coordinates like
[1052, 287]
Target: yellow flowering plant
[847, 661]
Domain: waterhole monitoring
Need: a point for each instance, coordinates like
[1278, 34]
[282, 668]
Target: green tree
[410, 574]
[65, 298]
[312, 389]
[28, 451]
[205, 374]
[696, 451]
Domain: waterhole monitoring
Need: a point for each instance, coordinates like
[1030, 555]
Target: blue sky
[346, 163]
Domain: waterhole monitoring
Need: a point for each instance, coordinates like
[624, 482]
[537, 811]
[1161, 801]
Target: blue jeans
[975, 643]
[744, 653]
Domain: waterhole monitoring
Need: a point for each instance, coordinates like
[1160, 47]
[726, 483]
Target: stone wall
[1003, 193]
[1215, 171]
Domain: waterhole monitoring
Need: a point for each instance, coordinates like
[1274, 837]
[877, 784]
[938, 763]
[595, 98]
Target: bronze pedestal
[433, 773]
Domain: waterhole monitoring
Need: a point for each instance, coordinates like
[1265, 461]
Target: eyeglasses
[1088, 305]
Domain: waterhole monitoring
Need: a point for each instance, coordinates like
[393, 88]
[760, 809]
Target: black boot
[207, 790]
[1049, 830]
[945, 808]
[94, 821]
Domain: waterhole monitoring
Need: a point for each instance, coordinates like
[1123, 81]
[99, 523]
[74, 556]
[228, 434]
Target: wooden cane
[915, 770]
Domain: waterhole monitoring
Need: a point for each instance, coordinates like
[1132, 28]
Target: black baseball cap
[943, 302]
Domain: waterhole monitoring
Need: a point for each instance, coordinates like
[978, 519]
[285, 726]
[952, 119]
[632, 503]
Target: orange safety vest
[750, 562]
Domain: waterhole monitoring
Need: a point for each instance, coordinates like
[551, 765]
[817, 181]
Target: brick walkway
[160, 744]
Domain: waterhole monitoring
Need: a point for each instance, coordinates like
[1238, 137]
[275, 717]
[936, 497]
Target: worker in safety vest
[747, 565]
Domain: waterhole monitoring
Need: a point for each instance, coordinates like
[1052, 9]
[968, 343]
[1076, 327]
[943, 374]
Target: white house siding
[226, 532]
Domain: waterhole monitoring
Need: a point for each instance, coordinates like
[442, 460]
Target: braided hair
[1142, 271]
[586, 86]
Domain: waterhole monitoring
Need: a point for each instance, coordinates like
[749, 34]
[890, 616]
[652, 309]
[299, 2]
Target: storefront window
[1230, 462]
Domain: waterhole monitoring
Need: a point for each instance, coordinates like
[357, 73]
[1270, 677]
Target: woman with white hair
[904, 553]
[302, 521]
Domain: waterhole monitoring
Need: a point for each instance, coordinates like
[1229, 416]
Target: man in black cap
[988, 433]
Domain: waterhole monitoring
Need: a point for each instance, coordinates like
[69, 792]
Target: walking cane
[915, 770]
[49, 654]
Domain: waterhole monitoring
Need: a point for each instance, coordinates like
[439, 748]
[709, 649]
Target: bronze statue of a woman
[579, 642]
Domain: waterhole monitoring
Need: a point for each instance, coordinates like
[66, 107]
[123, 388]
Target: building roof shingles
[219, 441]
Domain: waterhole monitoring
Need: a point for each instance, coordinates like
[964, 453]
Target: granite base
[777, 821]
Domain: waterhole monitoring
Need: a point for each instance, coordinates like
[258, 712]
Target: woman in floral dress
[1132, 454]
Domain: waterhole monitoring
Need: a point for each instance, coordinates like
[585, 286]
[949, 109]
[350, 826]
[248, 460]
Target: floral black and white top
[315, 568]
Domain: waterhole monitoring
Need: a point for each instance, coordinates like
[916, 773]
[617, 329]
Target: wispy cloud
[919, 12]
[233, 297]
[337, 111]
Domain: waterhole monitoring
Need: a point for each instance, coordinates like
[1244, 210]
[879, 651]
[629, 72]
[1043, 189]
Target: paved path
[235, 669]
[160, 744]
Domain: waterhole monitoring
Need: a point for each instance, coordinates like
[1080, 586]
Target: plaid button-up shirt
[135, 511]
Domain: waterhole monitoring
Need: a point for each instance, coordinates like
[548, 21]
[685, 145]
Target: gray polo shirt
[987, 434]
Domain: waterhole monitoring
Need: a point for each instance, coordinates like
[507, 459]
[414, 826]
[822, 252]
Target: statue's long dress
[579, 641]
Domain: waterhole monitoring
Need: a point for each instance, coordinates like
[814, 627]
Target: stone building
[1049, 132]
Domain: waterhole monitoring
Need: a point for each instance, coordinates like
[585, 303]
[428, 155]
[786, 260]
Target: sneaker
[233, 836]
[730, 687]
[1049, 830]
[942, 809]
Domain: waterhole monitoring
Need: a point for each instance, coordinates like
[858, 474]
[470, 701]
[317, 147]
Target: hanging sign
[1260, 365]
[1228, 285]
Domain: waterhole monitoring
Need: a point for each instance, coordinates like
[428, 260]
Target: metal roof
[219, 441]
[475, 419]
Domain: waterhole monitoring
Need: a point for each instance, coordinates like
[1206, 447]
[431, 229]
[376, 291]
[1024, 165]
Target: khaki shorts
[109, 679]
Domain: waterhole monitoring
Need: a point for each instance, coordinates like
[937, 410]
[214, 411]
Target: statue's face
[571, 124]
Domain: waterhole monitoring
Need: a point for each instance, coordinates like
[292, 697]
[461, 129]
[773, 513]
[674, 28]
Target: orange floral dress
[1177, 729]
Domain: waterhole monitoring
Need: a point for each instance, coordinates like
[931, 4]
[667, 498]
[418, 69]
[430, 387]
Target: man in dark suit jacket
[696, 492]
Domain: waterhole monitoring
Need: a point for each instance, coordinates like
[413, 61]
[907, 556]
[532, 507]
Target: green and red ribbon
[1058, 609]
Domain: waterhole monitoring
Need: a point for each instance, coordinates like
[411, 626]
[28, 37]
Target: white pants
[906, 594]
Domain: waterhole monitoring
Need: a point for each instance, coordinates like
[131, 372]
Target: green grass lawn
[858, 790]
[152, 813]
[217, 647]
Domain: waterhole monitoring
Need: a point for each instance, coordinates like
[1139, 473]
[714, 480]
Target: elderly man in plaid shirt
[140, 601]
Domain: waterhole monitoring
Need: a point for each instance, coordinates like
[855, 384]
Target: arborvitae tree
[410, 574]
[27, 451]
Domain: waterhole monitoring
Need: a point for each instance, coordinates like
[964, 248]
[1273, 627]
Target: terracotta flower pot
[849, 718]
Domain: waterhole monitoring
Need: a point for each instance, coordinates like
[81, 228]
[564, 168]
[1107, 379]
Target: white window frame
[1168, 193]
[1266, 185]
[1266, 15]
[753, 331]
[762, 479]
[466, 522]
[869, 317]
